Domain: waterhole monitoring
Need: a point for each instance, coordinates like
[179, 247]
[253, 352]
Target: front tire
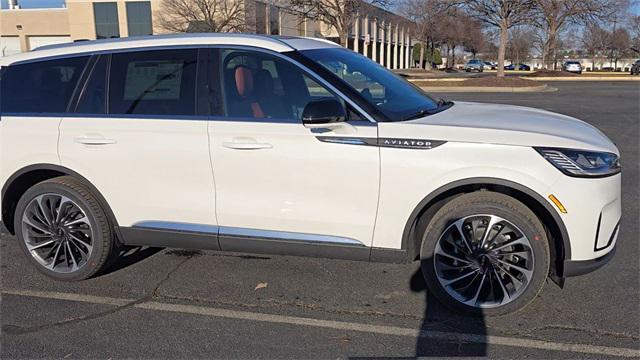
[63, 230]
[485, 253]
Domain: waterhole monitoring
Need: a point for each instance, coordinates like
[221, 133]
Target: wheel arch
[559, 246]
[18, 183]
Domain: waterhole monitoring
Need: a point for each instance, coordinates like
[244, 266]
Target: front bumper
[577, 268]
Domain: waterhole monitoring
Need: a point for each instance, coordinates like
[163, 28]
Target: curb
[495, 89]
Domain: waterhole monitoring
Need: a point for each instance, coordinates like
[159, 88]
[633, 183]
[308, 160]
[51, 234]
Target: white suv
[295, 146]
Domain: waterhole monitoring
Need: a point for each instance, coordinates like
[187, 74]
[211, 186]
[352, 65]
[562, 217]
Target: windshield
[396, 98]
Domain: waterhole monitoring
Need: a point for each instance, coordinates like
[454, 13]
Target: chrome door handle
[246, 145]
[94, 141]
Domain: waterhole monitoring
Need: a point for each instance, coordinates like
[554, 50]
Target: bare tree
[339, 14]
[552, 16]
[474, 40]
[202, 15]
[619, 45]
[519, 45]
[634, 30]
[594, 42]
[503, 14]
[425, 14]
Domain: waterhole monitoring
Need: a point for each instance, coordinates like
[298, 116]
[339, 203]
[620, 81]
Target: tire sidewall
[531, 227]
[97, 241]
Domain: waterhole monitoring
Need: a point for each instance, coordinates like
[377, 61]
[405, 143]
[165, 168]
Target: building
[381, 35]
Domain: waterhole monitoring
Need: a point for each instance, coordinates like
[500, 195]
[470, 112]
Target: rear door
[139, 136]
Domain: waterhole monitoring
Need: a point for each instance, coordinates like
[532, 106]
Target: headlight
[582, 163]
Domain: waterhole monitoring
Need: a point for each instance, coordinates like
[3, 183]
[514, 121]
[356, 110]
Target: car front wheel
[63, 230]
[485, 253]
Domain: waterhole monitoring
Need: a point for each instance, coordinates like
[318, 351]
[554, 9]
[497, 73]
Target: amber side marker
[558, 204]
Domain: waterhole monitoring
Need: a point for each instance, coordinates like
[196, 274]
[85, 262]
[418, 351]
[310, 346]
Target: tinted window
[160, 82]
[387, 92]
[259, 85]
[106, 18]
[94, 96]
[40, 87]
[139, 18]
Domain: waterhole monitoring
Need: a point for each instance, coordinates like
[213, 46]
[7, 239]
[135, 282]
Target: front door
[275, 178]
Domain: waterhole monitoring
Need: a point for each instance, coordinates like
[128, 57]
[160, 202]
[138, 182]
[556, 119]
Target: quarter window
[158, 82]
[40, 87]
[262, 86]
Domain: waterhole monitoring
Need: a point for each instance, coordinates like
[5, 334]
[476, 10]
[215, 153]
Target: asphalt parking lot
[184, 304]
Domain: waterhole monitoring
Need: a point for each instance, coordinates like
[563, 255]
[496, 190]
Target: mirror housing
[326, 111]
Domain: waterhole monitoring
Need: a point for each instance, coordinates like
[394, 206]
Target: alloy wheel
[57, 233]
[484, 261]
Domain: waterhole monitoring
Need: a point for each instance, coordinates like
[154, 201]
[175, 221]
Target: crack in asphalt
[581, 329]
[19, 330]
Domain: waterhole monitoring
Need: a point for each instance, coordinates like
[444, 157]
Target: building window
[274, 20]
[139, 18]
[261, 17]
[106, 18]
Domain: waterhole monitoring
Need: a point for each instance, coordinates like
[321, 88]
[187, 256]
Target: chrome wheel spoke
[40, 245]
[38, 227]
[493, 220]
[518, 241]
[505, 293]
[474, 300]
[527, 273]
[460, 227]
[441, 252]
[449, 282]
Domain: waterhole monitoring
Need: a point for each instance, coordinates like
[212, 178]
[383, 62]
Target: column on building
[409, 54]
[383, 39]
[396, 44]
[389, 44]
[356, 34]
[367, 35]
[374, 40]
[403, 49]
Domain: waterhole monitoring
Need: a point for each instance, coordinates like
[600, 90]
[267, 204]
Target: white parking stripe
[337, 325]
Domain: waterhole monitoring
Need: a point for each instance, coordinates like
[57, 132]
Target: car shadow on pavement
[128, 256]
[437, 320]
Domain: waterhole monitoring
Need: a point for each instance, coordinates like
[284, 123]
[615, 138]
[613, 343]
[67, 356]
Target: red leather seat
[245, 88]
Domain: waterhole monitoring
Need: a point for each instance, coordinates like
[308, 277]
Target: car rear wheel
[485, 253]
[63, 230]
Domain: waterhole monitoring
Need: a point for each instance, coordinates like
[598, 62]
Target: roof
[274, 43]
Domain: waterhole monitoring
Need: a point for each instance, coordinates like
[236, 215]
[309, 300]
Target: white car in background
[572, 66]
[295, 146]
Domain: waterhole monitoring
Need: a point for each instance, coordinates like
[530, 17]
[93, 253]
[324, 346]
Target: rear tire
[63, 230]
[500, 277]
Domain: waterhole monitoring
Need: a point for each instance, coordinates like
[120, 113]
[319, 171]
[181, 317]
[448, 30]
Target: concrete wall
[33, 22]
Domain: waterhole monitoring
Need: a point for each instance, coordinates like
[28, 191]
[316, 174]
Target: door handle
[94, 141]
[247, 145]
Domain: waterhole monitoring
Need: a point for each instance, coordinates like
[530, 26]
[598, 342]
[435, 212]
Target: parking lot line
[336, 325]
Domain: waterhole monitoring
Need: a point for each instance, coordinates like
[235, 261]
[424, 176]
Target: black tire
[104, 246]
[491, 203]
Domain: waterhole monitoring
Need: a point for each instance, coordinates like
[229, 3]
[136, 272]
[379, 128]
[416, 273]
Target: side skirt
[136, 236]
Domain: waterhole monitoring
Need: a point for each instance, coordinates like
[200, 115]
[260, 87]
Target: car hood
[512, 125]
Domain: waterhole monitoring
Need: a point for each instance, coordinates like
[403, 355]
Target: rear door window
[159, 82]
[42, 86]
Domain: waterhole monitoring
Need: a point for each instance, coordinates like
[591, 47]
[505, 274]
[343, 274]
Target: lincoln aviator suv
[295, 146]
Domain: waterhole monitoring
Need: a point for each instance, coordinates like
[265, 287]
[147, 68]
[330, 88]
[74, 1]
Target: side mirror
[324, 111]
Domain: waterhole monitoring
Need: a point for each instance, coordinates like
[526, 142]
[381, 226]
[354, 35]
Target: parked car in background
[635, 68]
[256, 144]
[489, 66]
[474, 65]
[572, 66]
[522, 67]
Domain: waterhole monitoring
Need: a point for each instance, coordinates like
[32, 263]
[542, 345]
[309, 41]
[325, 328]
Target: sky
[28, 4]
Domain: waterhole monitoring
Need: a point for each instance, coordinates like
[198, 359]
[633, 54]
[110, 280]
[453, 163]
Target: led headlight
[582, 163]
